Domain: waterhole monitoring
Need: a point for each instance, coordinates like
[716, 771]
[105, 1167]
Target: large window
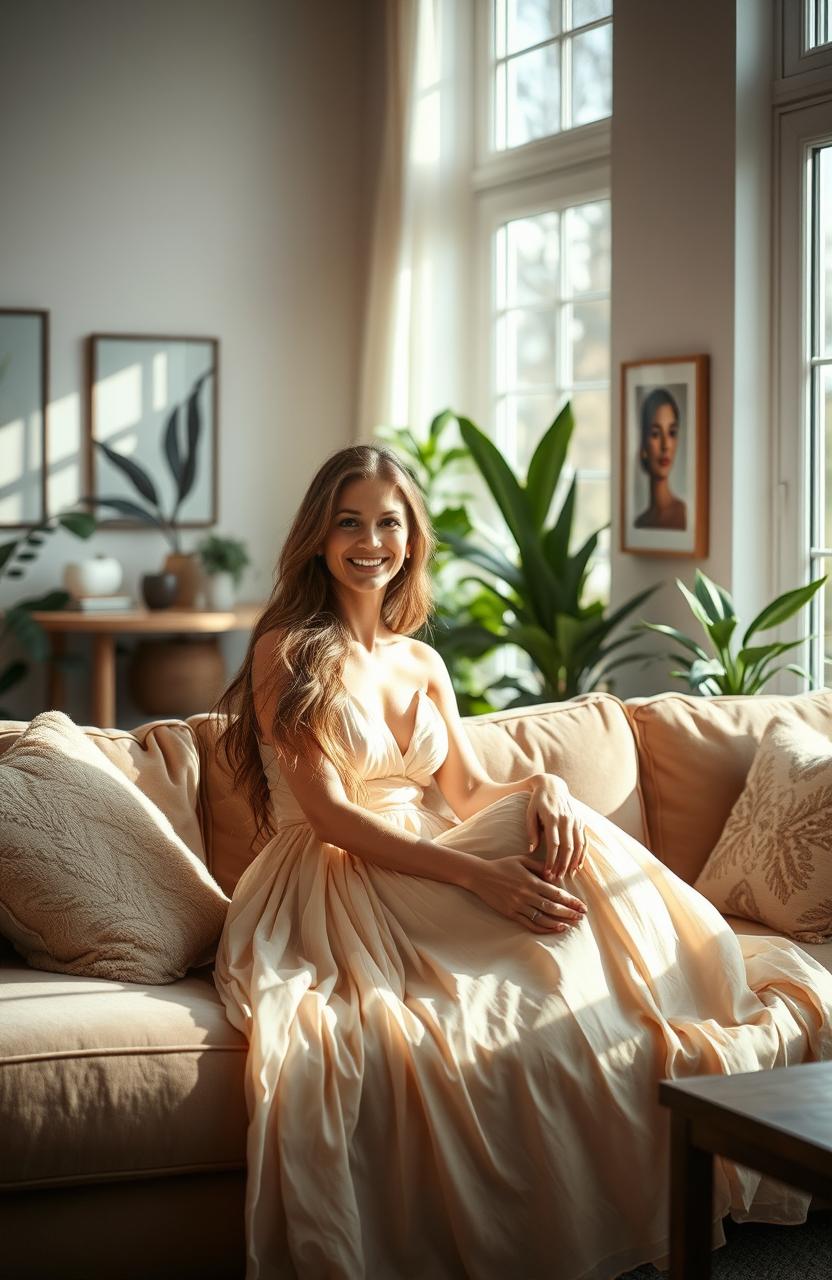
[551, 67]
[544, 101]
[550, 323]
[818, 222]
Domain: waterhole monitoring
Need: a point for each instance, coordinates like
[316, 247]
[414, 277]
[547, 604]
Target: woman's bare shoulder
[430, 664]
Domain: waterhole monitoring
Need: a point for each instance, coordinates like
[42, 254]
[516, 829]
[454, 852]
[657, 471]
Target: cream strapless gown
[435, 1092]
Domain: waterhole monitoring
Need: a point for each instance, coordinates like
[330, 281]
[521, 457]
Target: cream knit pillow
[93, 878]
[773, 861]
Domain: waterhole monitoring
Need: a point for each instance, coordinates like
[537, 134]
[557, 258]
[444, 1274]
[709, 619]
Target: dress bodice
[393, 778]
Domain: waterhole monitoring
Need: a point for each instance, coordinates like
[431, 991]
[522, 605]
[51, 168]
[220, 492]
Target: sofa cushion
[587, 740]
[161, 757]
[93, 878]
[694, 756]
[102, 1080]
[773, 861]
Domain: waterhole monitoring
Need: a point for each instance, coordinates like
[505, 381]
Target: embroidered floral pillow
[773, 861]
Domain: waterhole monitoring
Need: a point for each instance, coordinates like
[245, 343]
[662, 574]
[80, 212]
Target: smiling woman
[456, 1019]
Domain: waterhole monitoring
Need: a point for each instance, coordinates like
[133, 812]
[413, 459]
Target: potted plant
[224, 560]
[727, 669]
[182, 468]
[535, 598]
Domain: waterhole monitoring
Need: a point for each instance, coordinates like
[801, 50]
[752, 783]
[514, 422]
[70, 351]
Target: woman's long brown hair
[312, 642]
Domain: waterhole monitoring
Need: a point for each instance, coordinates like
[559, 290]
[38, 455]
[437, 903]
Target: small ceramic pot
[99, 575]
[159, 589]
[221, 592]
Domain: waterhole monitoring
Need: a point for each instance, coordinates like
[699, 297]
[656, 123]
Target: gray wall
[691, 245]
[190, 166]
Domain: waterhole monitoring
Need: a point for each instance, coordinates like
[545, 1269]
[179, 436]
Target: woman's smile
[367, 564]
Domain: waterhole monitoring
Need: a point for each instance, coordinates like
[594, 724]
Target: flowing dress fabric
[433, 1091]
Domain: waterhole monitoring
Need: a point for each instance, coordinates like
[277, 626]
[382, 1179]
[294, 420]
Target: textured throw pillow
[773, 861]
[93, 878]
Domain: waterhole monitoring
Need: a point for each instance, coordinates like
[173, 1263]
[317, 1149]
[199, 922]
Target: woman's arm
[318, 789]
[468, 788]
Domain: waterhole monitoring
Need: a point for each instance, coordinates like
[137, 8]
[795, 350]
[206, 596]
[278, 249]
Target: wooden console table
[778, 1122]
[105, 626]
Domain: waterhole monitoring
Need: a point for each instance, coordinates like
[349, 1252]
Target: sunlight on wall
[118, 401]
[160, 380]
[63, 482]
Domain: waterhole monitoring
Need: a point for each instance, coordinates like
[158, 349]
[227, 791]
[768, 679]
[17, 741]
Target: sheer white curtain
[416, 339]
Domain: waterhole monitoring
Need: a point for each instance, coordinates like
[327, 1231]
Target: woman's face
[367, 540]
[661, 442]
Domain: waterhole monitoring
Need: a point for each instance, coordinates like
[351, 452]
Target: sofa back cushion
[161, 757]
[694, 757]
[588, 741]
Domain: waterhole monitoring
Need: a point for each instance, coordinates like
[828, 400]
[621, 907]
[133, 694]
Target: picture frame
[664, 456]
[24, 416]
[154, 399]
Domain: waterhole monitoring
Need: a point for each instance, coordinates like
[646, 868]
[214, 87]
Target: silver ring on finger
[534, 914]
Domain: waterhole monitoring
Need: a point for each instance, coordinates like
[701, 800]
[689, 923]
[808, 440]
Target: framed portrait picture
[24, 394]
[153, 402]
[664, 456]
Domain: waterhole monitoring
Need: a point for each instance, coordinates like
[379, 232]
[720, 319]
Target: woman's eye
[347, 520]
[392, 520]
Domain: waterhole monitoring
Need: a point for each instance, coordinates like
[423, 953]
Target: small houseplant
[224, 560]
[726, 668]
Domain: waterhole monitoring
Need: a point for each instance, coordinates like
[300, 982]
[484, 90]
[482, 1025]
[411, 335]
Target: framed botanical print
[24, 397]
[664, 456]
[153, 429]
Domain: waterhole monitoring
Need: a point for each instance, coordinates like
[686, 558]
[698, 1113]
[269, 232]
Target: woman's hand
[514, 887]
[550, 817]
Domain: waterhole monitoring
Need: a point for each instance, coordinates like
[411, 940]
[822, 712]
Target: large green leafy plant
[182, 466]
[19, 629]
[728, 668]
[534, 599]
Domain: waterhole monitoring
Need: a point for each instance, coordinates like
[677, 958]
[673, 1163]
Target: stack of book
[96, 604]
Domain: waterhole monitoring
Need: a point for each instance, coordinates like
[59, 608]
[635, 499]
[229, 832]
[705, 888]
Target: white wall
[691, 251]
[190, 167]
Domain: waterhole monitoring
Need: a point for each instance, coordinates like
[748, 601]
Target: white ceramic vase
[100, 575]
[221, 592]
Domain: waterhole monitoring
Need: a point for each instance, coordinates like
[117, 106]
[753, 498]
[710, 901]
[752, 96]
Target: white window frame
[798, 128]
[796, 58]
[581, 145]
[495, 207]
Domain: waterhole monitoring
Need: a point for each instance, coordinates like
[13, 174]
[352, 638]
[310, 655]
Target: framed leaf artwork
[153, 430]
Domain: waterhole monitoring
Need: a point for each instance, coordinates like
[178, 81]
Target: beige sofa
[122, 1113]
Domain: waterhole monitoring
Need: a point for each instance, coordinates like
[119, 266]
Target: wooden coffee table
[778, 1122]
